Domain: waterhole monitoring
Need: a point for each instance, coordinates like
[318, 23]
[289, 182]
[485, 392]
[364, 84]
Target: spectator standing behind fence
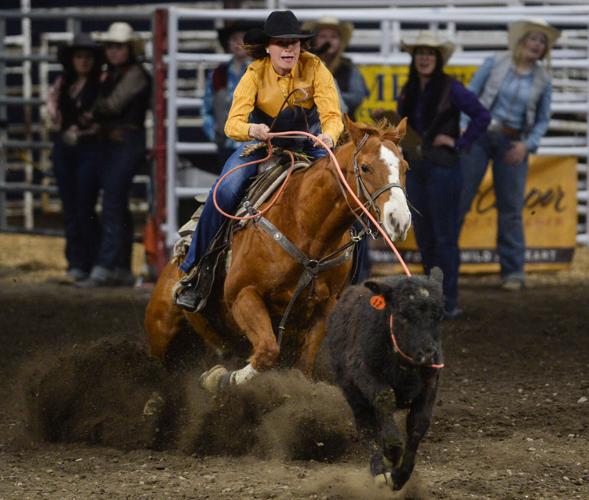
[76, 150]
[433, 101]
[120, 109]
[517, 90]
[332, 37]
[220, 84]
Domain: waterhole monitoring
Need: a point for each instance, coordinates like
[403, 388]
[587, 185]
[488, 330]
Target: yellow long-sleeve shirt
[265, 89]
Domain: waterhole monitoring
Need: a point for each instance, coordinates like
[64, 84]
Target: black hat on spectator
[225, 33]
[80, 41]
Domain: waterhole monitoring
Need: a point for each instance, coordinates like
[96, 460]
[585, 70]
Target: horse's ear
[356, 133]
[402, 128]
[378, 287]
[396, 134]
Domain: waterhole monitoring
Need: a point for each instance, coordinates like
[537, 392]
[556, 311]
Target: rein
[398, 350]
[351, 192]
[313, 267]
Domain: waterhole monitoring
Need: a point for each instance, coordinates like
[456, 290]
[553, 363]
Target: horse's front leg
[251, 315]
[311, 344]
[418, 421]
[313, 339]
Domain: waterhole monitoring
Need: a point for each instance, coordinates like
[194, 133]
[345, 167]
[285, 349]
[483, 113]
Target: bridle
[363, 190]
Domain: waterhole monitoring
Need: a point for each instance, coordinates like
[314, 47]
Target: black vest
[445, 121]
[72, 108]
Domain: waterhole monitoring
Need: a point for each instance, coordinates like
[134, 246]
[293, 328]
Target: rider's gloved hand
[259, 131]
[326, 138]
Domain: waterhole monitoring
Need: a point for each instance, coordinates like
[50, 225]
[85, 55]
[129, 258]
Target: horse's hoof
[212, 379]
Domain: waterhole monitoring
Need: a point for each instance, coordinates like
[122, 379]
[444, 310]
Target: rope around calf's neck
[300, 133]
[436, 366]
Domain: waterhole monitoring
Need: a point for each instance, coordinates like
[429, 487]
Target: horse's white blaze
[397, 218]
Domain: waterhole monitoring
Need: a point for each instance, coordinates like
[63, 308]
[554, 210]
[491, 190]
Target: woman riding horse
[282, 73]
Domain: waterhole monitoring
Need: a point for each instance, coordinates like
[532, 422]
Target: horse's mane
[380, 129]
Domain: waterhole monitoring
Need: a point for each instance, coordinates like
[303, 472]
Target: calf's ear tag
[378, 302]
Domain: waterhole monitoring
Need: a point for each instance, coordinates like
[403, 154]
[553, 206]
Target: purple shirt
[465, 102]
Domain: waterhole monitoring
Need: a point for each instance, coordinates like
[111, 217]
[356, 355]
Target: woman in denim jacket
[517, 90]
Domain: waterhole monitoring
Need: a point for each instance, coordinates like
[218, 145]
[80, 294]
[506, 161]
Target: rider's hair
[435, 87]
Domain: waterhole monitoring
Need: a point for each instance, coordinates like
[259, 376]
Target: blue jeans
[229, 195]
[77, 172]
[434, 191]
[121, 161]
[509, 182]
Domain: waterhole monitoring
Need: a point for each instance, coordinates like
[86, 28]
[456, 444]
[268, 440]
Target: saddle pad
[270, 176]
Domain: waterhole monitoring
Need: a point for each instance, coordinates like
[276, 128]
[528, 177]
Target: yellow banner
[550, 216]
[550, 213]
[385, 84]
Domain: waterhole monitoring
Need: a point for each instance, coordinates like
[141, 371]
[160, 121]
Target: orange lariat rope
[300, 133]
[437, 366]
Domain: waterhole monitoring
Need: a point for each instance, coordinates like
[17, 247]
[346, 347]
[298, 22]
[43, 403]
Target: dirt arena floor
[512, 418]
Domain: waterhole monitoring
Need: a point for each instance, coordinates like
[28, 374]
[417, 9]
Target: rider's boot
[186, 292]
[189, 299]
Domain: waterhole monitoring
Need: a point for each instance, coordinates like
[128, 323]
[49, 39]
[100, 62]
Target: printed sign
[550, 216]
[385, 84]
[550, 213]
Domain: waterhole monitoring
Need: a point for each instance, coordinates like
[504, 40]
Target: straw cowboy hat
[123, 33]
[80, 41]
[519, 29]
[344, 29]
[430, 39]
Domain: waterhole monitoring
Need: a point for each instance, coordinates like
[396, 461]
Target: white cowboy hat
[430, 39]
[344, 29]
[122, 33]
[519, 29]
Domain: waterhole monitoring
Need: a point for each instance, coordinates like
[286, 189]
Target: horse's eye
[365, 168]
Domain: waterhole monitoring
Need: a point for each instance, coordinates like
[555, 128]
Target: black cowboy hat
[225, 33]
[279, 24]
[80, 41]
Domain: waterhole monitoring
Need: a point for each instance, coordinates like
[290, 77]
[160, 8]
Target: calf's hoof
[154, 405]
[213, 379]
[384, 480]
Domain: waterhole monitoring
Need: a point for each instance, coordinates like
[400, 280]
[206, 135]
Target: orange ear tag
[378, 302]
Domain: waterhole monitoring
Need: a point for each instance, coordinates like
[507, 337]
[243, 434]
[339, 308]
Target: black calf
[385, 348]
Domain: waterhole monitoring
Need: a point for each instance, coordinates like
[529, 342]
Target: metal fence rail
[572, 99]
[29, 141]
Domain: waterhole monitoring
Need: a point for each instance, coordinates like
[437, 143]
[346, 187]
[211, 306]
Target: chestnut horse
[252, 295]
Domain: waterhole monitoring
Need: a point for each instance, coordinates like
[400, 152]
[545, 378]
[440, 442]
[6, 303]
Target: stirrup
[187, 298]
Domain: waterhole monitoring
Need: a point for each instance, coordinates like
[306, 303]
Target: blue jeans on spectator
[229, 195]
[77, 172]
[434, 191]
[509, 183]
[120, 162]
